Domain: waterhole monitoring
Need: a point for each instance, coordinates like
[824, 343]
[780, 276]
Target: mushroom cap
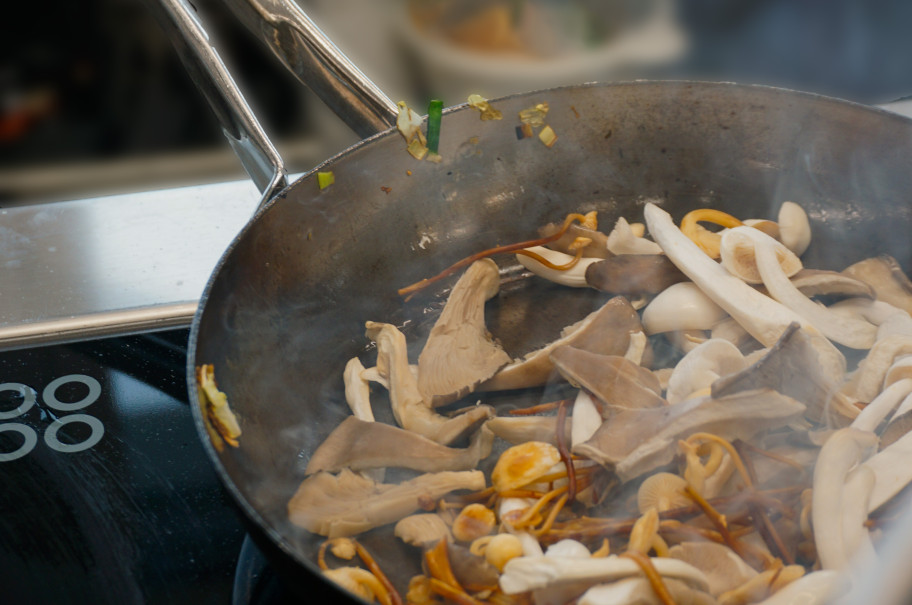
[523, 464]
[422, 529]
[724, 569]
[662, 491]
[885, 275]
[681, 306]
[739, 258]
[702, 366]
[794, 227]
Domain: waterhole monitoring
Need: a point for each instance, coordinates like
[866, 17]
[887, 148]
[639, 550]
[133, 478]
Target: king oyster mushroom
[891, 470]
[361, 445]
[574, 277]
[411, 410]
[459, 352]
[764, 318]
[681, 306]
[614, 380]
[622, 240]
[702, 366]
[817, 282]
[606, 331]
[348, 503]
[638, 591]
[884, 274]
[867, 381]
[759, 254]
[794, 227]
[520, 429]
[635, 442]
[633, 274]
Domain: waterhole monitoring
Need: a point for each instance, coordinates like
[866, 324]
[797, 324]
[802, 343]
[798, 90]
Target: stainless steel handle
[259, 157]
[308, 53]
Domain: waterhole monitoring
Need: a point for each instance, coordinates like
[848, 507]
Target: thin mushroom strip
[649, 570]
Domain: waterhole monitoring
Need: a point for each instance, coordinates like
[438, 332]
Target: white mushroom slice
[411, 410]
[851, 332]
[531, 573]
[730, 330]
[794, 227]
[422, 529]
[638, 591]
[357, 390]
[459, 353]
[639, 343]
[575, 277]
[892, 471]
[899, 370]
[622, 240]
[814, 282]
[815, 588]
[887, 278]
[568, 548]
[842, 452]
[890, 320]
[360, 445]
[520, 429]
[586, 418]
[868, 379]
[880, 407]
[682, 306]
[762, 317]
[739, 254]
[855, 496]
[347, 504]
[702, 366]
[724, 569]
[606, 330]
[687, 340]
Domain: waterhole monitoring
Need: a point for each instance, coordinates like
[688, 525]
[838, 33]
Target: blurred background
[93, 99]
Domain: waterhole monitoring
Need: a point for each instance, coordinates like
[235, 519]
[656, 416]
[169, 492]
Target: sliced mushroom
[681, 306]
[520, 429]
[881, 406]
[887, 278]
[422, 529]
[411, 410]
[357, 390]
[573, 277]
[851, 332]
[347, 504]
[606, 330]
[586, 418]
[633, 274]
[868, 379]
[531, 573]
[792, 367]
[892, 471]
[815, 588]
[459, 353]
[361, 445]
[614, 380]
[635, 442]
[622, 240]
[702, 366]
[739, 255]
[597, 248]
[724, 569]
[816, 282]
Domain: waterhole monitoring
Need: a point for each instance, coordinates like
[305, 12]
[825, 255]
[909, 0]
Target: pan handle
[312, 57]
[259, 157]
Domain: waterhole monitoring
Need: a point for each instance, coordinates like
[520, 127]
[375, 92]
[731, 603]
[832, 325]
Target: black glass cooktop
[107, 496]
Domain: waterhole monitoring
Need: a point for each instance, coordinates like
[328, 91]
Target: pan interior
[286, 307]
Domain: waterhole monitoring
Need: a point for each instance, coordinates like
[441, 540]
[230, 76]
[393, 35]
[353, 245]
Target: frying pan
[285, 307]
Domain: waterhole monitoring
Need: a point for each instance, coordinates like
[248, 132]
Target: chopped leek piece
[534, 116]
[435, 114]
[417, 149]
[481, 104]
[547, 136]
[325, 179]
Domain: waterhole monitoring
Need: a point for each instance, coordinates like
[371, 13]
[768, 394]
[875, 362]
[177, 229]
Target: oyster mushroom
[347, 504]
[638, 591]
[794, 227]
[614, 380]
[635, 442]
[411, 410]
[887, 278]
[815, 588]
[681, 306]
[606, 330]
[739, 255]
[360, 445]
[724, 569]
[702, 366]
[622, 240]
[761, 252]
[793, 368]
[459, 352]
[574, 277]
[520, 429]
[816, 282]
[357, 390]
[633, 274]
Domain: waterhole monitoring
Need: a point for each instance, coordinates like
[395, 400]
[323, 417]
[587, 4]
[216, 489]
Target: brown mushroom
[348, 503]
[884, 274]
[633, 274]
[614, 380]
[361, 445]
[459, 352]
[606, 330]
[597, 248]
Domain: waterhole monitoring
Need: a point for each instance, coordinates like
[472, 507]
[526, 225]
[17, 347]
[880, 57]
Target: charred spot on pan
[609, 133]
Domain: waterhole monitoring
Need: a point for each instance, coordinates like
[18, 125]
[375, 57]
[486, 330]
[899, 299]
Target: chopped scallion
[435, 114]
[325, 179]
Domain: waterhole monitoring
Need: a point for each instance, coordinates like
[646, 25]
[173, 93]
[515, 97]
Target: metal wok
[285, 307]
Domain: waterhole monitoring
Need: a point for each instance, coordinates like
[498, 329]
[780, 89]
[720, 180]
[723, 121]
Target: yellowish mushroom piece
[501, 548]
[473, 522]
[662, 491]
[523, 464]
